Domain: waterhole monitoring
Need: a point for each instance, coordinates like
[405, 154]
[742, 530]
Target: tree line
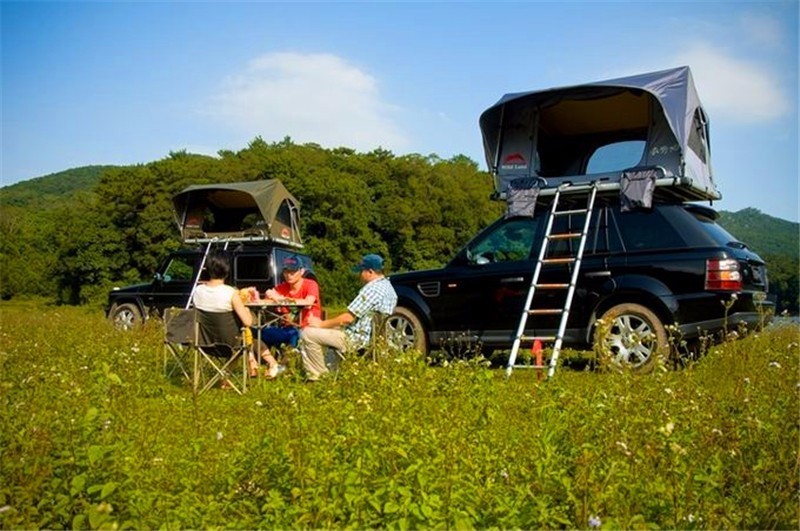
[414, 210]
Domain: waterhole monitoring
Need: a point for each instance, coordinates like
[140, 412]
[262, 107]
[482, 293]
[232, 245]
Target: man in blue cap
[352, 329]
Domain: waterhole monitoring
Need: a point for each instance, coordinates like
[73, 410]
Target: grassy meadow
[93, 435]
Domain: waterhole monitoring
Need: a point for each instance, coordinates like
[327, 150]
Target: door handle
[599, 274]
[510, 280]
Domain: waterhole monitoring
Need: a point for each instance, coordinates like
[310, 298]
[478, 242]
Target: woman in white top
[216, 296]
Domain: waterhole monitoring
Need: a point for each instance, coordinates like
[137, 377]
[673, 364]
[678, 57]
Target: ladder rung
[568, 260]
[564, 236]
[545, 311]
[538, 367]
[567, 212]
[552, 286]
[540, 338]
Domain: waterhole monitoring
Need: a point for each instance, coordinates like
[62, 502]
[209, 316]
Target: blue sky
[127, 82]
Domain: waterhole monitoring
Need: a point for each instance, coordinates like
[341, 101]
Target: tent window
[616, 156]
[697, 136]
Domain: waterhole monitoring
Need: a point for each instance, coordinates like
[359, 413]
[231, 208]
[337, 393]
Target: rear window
[713, 229]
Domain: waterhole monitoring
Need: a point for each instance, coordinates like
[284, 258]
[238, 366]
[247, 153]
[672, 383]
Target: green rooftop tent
[552, 134]
[248, 211]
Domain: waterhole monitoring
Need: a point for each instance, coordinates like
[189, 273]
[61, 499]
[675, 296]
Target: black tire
[632, 336]
[126, 316]
[405, 331]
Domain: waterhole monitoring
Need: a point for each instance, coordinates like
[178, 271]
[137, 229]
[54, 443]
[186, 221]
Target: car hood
[133, 288]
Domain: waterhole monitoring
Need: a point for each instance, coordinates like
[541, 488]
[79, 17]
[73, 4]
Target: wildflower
[667, 429]
[747, 381]
[775, 364]
[504, 474]
[716, 431]
[219, 435]
[594, 521]
[668, 390]
[259, 403]
[690, 518]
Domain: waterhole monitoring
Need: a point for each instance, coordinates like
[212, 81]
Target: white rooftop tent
[551, 134]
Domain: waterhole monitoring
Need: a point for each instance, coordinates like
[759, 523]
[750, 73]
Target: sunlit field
[94, 435]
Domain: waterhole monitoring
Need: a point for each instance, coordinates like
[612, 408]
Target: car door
[173, 284]
[487, 283]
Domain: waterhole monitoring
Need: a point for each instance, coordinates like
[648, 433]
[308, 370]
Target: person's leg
[312, 343]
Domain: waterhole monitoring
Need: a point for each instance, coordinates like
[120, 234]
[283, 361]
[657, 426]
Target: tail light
[723, 275]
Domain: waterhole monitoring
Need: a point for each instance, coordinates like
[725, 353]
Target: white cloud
[762, 30]
[732, 88]
[318, 98]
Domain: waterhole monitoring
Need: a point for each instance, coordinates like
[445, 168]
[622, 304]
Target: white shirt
[214, 298]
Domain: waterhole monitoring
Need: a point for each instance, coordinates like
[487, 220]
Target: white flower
[594, 521]
[775, 364]
[219, 435]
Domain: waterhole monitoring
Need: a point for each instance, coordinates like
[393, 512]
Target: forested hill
[763, 233]
[77, 233]
[53, 188]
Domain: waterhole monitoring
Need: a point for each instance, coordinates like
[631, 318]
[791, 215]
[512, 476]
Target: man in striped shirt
[352, 329]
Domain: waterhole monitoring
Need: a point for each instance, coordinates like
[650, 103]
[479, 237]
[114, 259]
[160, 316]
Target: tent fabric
[552, 133]
[248, 210]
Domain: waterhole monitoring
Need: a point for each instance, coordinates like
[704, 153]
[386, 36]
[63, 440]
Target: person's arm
[241, 310]
[343, 319]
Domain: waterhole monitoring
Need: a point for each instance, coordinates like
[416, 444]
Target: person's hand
[313, 320]
[271, 294]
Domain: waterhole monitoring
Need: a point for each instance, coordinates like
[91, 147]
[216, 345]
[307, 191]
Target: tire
[126, 316]
[405, 331]
[635, 337]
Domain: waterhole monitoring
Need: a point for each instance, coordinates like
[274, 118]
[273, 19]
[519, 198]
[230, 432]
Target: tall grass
[93, 435]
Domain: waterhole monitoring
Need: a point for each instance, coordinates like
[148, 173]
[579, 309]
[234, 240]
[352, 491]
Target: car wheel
[126, 316]
[405, 331]
[631, 335]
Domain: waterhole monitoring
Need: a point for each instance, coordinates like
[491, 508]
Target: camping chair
[379, 339]
[207, 347]
[221, 346]
[180, 336]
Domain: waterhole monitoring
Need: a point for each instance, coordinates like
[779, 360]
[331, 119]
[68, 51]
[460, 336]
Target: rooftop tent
[249, 211]
[554, 133]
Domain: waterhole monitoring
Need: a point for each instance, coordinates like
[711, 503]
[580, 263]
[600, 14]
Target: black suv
[252, 265]
[642, 272]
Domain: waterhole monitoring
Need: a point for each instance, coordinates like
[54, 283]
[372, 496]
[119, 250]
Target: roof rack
[667, 188]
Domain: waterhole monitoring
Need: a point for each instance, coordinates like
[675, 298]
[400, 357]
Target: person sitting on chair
[376, 296]
[214, 296]
[296, 288]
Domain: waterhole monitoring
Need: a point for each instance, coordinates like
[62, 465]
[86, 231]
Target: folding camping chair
[207, 348]
[180, 336]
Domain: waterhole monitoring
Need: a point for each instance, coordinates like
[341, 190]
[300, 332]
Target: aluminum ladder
[544, 260]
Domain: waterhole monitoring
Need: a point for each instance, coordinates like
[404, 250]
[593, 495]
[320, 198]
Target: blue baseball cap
[292, 263]
[369, 261]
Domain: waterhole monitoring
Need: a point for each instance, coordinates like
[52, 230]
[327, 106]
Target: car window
[179, 268]
[252, 268]
[509, 241]
[602, 236]
[616, 156]
[647, 230]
